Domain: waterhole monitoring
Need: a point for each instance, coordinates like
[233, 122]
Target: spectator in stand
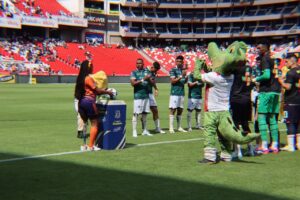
[77, 62]
[81, 47]
[69, 59]
[130, 47]
[48, 15]
[32, 11]
[120, 46]
[9, 14]
[38, 10]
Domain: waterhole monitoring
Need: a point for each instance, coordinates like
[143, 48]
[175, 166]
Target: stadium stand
[167, 56]
[183, 20]
[62, 57]
[41, 8]
[113, 60]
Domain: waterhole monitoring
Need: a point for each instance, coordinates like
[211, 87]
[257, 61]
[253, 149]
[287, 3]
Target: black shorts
[88, 109]
[292, 113]
[241, 111]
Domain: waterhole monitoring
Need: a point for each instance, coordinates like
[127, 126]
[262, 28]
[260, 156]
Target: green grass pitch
[40, 119]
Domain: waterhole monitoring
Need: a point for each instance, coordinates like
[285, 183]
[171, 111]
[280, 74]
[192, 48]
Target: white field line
[78, 152]
[168, 142]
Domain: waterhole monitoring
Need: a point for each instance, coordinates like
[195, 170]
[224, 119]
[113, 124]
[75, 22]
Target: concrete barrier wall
[72, 79]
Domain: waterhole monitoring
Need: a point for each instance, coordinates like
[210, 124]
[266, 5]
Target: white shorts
[141, 106]
[176, 102]
[254, 95]
[152, 100]
[194, 104]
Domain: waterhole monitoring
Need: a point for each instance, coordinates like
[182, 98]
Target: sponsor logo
[117, 123]
[117, 114]
[117, 129]
[6, 78]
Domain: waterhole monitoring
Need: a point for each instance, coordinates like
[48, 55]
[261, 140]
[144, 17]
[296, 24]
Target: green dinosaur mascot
[217, 119]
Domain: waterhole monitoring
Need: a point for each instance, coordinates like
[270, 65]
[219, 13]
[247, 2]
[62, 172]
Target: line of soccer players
[264, 78]
[143, 81]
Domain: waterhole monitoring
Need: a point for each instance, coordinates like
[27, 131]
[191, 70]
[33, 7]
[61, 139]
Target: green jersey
[141, 91]
[195, 92]
[177, 89]
[153, 76]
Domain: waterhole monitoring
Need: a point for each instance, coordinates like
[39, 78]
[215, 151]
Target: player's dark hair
[180, 57]
[156, 65]
[86, 68]
[140, 59]
[265, 43]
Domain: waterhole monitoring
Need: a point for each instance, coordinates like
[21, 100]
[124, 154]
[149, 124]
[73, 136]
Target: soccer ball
[114, 91]
[107, 97]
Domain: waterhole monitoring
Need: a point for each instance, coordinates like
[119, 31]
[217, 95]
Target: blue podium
[112, 124]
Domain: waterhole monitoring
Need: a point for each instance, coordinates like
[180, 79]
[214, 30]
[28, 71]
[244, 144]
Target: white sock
[134, 122]
[171, 125]
[264, 144]
[179, 118]
[275, 144]
[291, 141]
[238, 149]
[157, 124]
[144, 120]
[189, 119]
[198, 118]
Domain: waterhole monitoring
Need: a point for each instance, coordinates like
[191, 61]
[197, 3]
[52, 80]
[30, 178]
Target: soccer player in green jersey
[139, 80]
[152, 71]
[194, 101]
[178, 79]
